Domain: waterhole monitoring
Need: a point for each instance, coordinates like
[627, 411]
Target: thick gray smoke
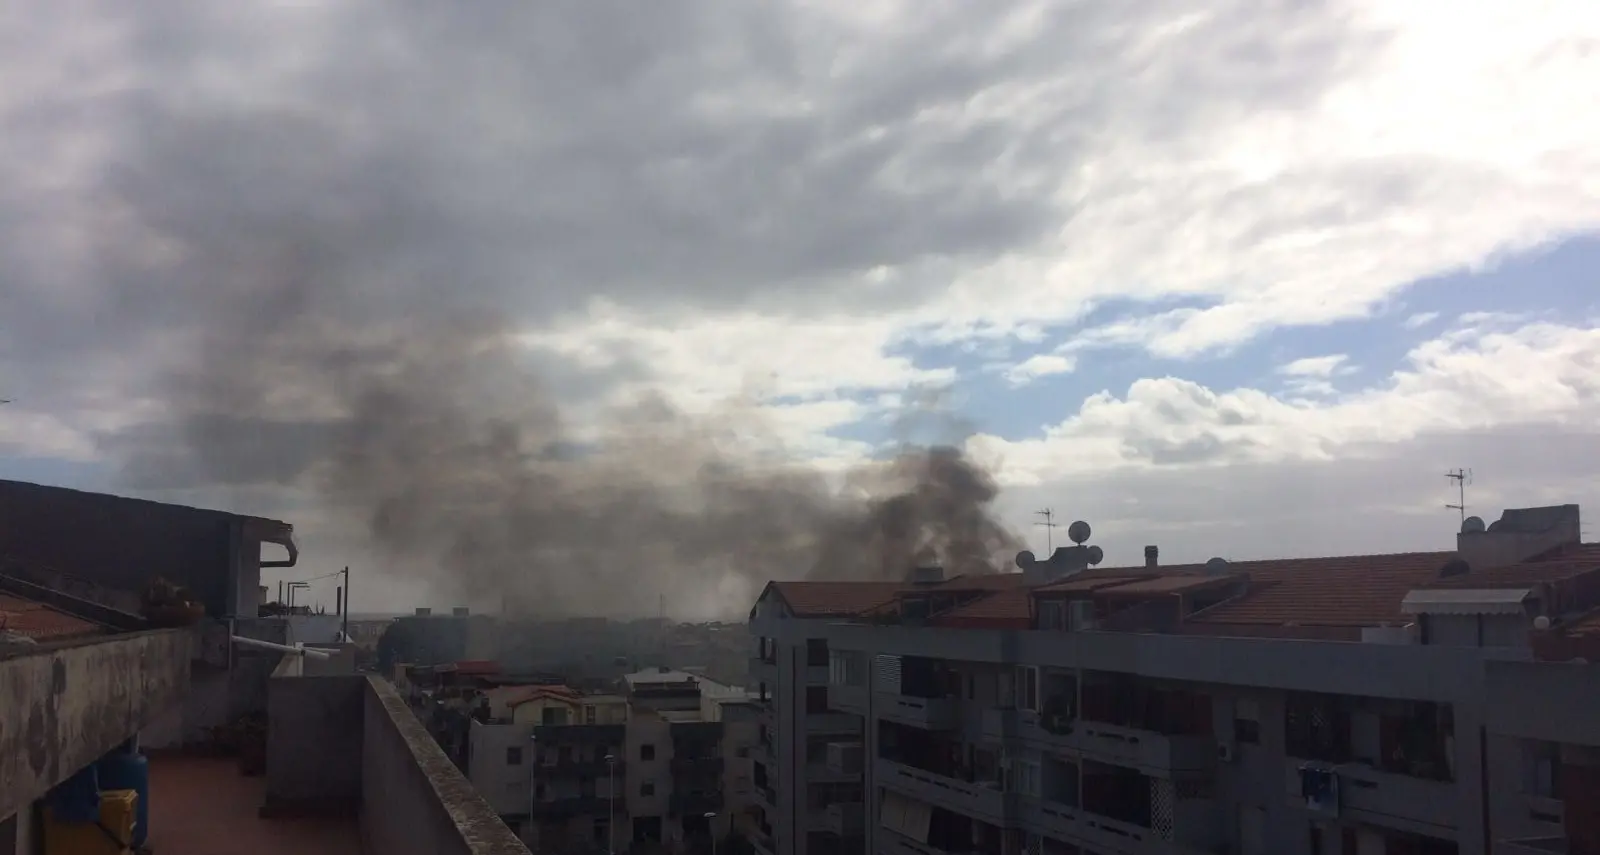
[436, 437]
[329, 222]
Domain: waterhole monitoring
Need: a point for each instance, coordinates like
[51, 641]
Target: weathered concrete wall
[413, 799]
[111, 542]
[314, 744]
[64, 707]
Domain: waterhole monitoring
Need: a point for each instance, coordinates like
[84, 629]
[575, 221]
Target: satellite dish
[1497, 525]
[1096, 555]
[1078, 532]
[1217, 565]
[1025, 559]
[1473, 525]
[1541, 623]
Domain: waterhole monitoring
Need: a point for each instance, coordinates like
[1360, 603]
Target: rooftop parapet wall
[65, 705]
[349, 744]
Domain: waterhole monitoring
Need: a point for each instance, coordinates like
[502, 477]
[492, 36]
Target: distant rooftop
[1324, 597]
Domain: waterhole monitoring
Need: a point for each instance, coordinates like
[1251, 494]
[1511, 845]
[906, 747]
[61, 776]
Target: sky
[1242, 282]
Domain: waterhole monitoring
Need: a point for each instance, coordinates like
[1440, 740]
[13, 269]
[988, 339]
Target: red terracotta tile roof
[1173, 584]
[1349, 591]
[984, 582]
[41, 622]
[1521, 575]
[1091, 580]
[1008, 606]
[534, 693]
[835, 599]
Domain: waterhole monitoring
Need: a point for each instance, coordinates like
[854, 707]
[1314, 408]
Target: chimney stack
[1151, 553]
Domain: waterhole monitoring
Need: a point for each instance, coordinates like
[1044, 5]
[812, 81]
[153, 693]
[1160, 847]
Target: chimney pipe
[1151, 553]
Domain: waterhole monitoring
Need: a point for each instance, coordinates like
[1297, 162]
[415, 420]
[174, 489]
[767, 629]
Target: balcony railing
[1534, 846]
[1151, 753]
[981, 801]
[848, 699]
[832, 722]
[1388, 800]
[924, 713]
[846, 819]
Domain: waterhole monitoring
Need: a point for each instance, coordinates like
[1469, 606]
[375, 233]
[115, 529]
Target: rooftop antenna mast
[1462, 477]
[1049, 526]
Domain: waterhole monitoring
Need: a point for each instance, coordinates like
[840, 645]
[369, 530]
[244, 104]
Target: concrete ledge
[413, 798]
[66, 705]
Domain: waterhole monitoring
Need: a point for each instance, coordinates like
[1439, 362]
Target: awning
[1465, 601]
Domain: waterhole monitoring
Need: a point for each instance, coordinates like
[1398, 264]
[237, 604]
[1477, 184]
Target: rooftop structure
[252, 745]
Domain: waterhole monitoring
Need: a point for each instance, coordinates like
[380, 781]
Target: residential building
[645, 768]
[1323, 706]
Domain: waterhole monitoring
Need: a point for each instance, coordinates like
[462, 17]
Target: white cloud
[1540, 374]
[1317, 366]
[1420, 320]
[1038, 365]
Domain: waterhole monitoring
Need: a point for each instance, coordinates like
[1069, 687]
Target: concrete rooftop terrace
[204, 805]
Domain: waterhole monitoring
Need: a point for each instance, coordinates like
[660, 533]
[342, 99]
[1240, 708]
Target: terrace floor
[204, 806]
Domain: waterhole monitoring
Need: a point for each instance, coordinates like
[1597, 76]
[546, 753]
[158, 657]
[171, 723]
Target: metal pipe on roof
[283, 648]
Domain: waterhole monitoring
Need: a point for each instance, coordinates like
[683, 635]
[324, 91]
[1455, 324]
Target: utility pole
[1462, 477]
[1049, 526]
[346, 621]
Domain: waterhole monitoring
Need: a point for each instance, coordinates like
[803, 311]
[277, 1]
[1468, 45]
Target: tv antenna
[1462, 477]
[1049, 526]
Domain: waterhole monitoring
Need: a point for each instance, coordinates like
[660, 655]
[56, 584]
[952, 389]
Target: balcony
[1151, 753]
[1533, 846]
[692, 804]
[570, 807]
[763, 670]
[846, 819]
[1390, 800]
[848, 699]
[697, 765]
[923, 713]
[826, 773]
[832, 722]
[980, 801]
[577, 769]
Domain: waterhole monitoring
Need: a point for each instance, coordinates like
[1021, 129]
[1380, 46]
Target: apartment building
[647, 769]
[1326, 706]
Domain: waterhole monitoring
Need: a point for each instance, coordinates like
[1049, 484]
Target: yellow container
[112, 836]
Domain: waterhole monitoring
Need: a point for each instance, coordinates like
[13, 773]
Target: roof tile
[41, 622]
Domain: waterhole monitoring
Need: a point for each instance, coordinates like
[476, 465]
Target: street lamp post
[611, 804]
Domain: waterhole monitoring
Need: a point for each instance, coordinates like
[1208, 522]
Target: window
[816, 651]
[1247, 721]
[589, 715]
[742, 752]
[514, 755]
[647, 752]
[1542, 762]
[816, 700]
[647, 788]
[1027, 687]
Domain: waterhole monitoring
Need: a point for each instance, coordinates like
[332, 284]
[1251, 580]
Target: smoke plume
[435, 437]
[332, 222]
